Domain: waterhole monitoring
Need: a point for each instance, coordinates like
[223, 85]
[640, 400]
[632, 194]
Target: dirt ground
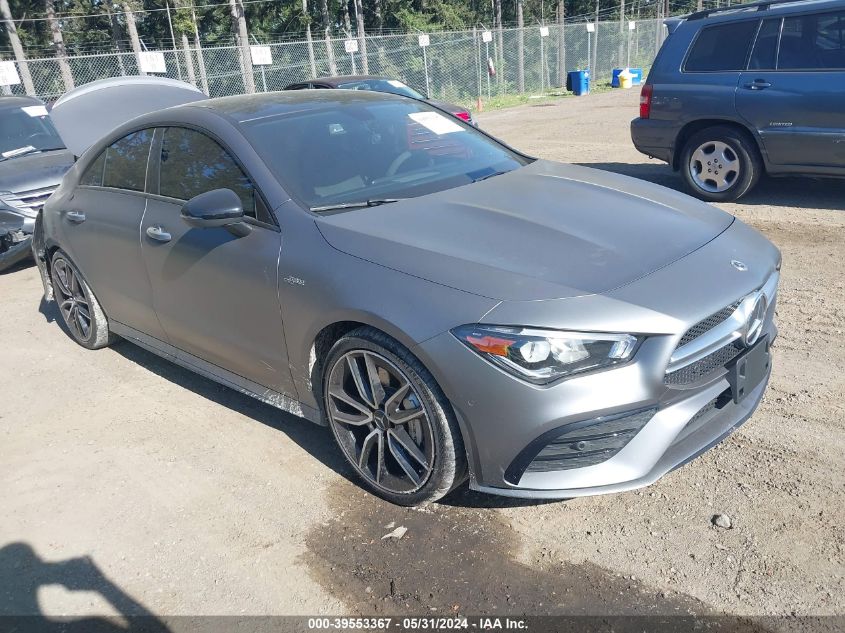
[129, 485]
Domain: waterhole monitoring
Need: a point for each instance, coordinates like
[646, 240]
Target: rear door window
[813, 42]
[721, 48]
[126, 161]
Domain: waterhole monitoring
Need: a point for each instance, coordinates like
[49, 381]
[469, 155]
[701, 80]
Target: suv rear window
[721, 48]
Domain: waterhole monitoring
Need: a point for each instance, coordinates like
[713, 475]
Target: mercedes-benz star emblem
[740, 266]
[754, 323]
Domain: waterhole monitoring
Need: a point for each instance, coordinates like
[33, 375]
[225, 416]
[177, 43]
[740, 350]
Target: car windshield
[370, 152]
[392, 86]
[26, 129]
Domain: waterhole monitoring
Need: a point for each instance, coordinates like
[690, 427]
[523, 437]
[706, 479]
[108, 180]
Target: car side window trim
[155, 166]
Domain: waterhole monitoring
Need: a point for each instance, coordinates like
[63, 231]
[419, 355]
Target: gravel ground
[129, 485]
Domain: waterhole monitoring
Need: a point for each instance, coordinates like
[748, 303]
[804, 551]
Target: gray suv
[743, 90]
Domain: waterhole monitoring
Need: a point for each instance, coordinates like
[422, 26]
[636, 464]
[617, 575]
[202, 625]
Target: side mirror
[215, 209]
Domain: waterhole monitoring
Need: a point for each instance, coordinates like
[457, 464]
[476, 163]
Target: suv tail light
[645, 101]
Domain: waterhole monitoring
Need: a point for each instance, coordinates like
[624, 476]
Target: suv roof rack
[761, 5]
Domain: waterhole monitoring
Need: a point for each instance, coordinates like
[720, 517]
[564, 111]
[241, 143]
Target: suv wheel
[391, 420]
[720, 164]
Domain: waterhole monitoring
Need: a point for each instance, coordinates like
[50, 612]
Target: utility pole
[20, 57]
[133, 35]
[59, 43]
[198, 47]
[308, 38]
[362, 37]
[239, 21]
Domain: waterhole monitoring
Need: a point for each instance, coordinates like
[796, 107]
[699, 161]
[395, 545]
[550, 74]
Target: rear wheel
[80, 310]
[391, 420]
[720, 164]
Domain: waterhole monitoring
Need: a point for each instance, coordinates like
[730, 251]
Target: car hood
[544, 231]
[34, 171]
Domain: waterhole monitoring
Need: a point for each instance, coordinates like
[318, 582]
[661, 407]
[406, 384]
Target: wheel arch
[696, 126]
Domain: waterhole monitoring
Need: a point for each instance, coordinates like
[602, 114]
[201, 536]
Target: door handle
[758, 84]
[75, 216]
[158, 234]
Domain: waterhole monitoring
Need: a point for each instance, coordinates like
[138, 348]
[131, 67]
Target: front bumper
[502, 418]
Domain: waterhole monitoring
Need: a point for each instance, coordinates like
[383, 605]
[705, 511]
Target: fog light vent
[580, 444]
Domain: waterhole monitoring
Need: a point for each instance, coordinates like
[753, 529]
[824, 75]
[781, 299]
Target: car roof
[762, 9]
[18, 101]
[241, 108]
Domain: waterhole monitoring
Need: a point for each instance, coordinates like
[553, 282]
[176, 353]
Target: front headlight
[542, 356]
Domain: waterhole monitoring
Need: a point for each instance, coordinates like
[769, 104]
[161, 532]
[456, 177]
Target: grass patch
[510, 100]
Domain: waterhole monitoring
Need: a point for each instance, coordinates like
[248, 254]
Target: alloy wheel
[380, 421]
[714, 167]
[73, 303]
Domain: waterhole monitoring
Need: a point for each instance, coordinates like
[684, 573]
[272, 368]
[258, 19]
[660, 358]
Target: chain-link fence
[457, 65]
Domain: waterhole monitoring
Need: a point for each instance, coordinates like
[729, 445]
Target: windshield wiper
[490, 175]
[375, 202]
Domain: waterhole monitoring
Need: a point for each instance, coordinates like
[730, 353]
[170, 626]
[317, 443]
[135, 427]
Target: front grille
[29, 200]
[701, 368]
[705, 325]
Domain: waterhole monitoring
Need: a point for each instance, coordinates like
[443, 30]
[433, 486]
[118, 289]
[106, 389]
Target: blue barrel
[614, 82]
[579, 81]
[638, 75]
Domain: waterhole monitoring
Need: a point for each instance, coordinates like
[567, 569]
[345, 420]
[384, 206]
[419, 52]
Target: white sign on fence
[9, 74]
[261, 55]
[486, 36]
[591, 27]
[351, 46]
[544, 31]
[424, 40]
[152, 62]
[632, 25]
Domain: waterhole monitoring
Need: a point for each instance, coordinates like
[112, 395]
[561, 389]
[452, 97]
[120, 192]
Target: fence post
[520, 48]
[561, 43]
[20, 57]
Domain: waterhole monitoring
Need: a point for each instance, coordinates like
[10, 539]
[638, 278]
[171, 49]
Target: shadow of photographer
[23, 572]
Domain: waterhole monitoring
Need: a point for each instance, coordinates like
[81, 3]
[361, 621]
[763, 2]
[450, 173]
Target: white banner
[486, 36]
[424, 40]
[9, 74]
[544, 31]
[351, 46]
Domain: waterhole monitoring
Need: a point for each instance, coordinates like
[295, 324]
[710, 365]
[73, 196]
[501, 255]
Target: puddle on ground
[459, 559]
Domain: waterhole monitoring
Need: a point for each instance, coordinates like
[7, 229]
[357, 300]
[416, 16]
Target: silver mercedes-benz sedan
[448, 306]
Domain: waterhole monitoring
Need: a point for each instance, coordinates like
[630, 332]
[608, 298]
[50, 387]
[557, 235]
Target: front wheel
[720, 164]
[391, 420]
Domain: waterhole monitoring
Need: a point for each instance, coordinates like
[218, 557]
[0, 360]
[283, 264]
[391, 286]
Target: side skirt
[217, 374]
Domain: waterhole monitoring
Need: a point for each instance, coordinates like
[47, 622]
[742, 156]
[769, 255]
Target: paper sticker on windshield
[396, 84]
[435, 122]
[36, 110]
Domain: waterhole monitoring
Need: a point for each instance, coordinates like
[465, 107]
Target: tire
[76, 300]
[706, 170]
[405, 477]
